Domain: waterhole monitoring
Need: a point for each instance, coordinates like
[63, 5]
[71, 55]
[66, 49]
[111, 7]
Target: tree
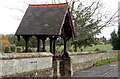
[33, 42]
[114, 40]
[104, 40]
[88, 22]
[21, 42]
[5, 42]
[118, 38]
[12, 38]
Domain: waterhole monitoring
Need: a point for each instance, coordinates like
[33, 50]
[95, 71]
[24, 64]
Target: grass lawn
[107, 47]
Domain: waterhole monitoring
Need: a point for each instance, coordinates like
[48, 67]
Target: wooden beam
[38, 44]
[43, 40]
[54, 46]
[18, 37]
[26, 38]
[26, 44]
[65, 46]
[51, 45]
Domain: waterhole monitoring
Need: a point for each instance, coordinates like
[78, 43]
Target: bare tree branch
[59, 1]
[66, 1]
[45, 2]
[88, 22]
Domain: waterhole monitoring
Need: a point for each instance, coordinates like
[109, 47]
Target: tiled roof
[49, 5]
[45, 19]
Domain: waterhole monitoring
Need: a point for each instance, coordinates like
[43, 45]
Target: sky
[12, 12]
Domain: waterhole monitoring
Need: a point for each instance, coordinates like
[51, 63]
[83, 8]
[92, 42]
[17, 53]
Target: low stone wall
[42, 64]
[26, 64]
[84, 60]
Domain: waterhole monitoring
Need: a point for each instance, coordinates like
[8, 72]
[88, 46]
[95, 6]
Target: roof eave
[63, 21]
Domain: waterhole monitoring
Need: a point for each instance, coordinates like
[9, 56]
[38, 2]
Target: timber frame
[43, 28]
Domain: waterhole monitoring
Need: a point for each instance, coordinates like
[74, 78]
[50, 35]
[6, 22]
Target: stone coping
[92, 52]
[7, 56]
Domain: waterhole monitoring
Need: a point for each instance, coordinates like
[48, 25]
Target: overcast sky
[12, 11]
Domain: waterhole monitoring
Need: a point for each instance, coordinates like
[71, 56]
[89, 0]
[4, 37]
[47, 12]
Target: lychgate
[47, 21]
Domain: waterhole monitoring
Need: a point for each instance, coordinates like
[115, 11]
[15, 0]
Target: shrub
[97, 49]
[7, 50]
[115, 40]
[12, 48]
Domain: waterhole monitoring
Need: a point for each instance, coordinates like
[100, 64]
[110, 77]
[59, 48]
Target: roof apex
[48, 5]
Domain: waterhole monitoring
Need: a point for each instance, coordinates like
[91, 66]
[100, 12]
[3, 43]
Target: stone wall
[26, 64]
[84, 60]
[42, 64]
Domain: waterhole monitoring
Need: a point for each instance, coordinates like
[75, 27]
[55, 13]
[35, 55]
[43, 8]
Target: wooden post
[26, 44]
[43, 40]
[54, 46]
[26, 38]
[64, 46]
[51, 45]
[38, 45]
[43, 45]
[18, 37]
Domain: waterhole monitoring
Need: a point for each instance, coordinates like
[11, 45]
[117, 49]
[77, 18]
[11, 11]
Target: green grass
[106, 61]
[107, 47]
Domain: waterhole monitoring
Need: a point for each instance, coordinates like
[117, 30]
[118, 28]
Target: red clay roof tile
[49, 5]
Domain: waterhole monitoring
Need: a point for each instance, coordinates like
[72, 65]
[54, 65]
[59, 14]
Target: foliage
[33, 42]
[118, 38]
[104, 40]
[21, 42]
[7, 50]
[114, 40]
[84, 25]
[5, 42]
[4, 37]
[88, 22]
[12, 48]
[59, 43]
[12, 38]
